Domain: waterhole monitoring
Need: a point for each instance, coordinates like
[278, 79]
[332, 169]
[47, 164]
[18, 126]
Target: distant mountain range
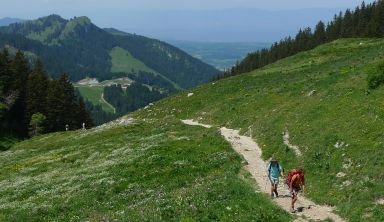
[82, 49]
[7, 21]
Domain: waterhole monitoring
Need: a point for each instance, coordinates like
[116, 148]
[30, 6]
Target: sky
[13, 6]
[192, 20]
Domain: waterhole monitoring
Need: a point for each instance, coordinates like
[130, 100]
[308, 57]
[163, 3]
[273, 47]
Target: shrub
[36, 124]
[376, 79]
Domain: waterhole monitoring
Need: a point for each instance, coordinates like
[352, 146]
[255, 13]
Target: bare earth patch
[295, 148]
[193, 123]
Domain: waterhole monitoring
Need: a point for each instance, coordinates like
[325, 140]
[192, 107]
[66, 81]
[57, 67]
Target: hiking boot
[293, 210]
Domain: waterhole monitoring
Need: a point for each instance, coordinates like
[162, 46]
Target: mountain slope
[83, 50]
[320, 98]
[145, 170]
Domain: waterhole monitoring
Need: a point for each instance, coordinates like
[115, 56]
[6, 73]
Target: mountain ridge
[8, 20]
[56, 33]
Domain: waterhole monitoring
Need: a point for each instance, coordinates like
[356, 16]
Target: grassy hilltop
[158, 169]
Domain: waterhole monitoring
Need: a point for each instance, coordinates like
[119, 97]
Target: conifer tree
[82, 114]
[5, 73]
[20, 70]
[346, 28]
[63, 107]
[36, 91]
[59, 106]
[320, 35]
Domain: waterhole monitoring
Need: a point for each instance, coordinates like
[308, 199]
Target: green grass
[93, 95]
[7, 141]
[123, 61]
[159, 169]
[275, 99]
[152, 170]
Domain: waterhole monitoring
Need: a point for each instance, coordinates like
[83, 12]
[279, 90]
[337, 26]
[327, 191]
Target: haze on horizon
[197, 20]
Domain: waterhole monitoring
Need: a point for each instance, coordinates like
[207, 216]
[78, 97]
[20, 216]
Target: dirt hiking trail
[305, 209]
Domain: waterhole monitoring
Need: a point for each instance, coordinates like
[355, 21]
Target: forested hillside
[82, 49]
[364, 21]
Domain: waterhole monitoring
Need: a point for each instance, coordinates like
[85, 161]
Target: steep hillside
[365, 21]
[82, 49]
[320, 98]
[155, 168]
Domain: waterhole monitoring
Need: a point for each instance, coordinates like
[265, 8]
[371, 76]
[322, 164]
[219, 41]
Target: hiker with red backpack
[296, 183]
[274, 171]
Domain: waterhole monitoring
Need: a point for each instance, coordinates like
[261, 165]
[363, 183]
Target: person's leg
[294, 199]
[276, 184]
[275, 190]
[272, 186]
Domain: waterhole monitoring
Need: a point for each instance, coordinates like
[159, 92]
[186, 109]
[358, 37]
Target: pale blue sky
[31, 7]
[197, 20]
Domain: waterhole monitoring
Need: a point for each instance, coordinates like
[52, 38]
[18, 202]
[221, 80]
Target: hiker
[274, 171]
[296, 183]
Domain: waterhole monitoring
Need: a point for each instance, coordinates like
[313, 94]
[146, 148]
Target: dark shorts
[296, 190]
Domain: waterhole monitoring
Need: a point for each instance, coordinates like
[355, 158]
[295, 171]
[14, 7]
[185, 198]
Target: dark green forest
[365, 21]
[98, 115]
[31, 103]
[134, 97]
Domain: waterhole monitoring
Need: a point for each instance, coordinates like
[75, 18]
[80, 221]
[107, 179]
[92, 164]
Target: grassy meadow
[123, 61]
[150, 170]
[156, 169]
[339, 128]
[93, 94]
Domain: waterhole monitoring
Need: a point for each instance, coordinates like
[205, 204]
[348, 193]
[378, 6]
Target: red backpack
[290, 175]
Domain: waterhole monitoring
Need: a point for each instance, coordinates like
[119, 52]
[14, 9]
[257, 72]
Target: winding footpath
[250, 150]
[295, 148]
[106, 102]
